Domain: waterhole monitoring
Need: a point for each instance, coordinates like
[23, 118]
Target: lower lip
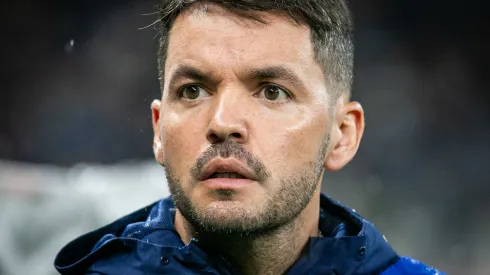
[227, 183]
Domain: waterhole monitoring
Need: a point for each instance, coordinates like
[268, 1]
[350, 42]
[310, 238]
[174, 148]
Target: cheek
[297, 141]
[181, 144]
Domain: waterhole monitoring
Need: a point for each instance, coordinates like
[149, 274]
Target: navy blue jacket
[146, 243]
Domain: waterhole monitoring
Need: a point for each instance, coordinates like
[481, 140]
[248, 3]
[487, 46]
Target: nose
[228, 120]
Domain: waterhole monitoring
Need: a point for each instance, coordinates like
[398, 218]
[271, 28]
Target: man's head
[256, 90]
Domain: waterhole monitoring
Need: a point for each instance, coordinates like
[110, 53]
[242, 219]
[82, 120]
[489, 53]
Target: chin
[228, 215]
[236, 198]
[227, 208]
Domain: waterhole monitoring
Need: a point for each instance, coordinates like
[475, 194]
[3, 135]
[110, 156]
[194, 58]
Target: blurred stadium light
[43, 207]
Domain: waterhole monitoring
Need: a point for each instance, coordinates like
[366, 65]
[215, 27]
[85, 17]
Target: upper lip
[227, 165]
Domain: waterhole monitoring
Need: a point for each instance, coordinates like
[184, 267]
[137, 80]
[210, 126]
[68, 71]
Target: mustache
[229, 149]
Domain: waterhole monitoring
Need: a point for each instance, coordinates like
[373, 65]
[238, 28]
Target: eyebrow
[275, 72]
[189, 73]
[272, 72]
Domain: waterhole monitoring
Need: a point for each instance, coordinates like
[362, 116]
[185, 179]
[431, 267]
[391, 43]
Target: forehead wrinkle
[181, 47]
[188, 25]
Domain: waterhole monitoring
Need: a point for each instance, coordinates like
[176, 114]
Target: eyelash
[262, 86]
[180, 91]
[269, 84]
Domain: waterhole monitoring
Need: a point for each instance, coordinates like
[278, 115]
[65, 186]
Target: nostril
[216, 136]
[213, 138]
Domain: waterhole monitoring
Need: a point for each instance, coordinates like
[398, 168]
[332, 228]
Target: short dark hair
[330, 22]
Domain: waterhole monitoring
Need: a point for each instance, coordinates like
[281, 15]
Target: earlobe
[157, 147]
[157, 143]
[346, 134]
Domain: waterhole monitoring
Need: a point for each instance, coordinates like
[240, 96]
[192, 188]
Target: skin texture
[286, 142]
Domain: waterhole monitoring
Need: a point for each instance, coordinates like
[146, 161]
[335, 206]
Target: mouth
[226, 175]
[227, 169]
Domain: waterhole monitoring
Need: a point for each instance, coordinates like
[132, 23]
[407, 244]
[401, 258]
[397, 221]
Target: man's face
[249, 99]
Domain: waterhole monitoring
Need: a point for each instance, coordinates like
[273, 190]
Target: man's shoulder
[77, 255]
[409, 266]
[379, 257]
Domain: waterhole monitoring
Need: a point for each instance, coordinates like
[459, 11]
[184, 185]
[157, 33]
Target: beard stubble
[278, 209]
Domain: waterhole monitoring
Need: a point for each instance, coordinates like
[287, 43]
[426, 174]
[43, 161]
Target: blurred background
[78, 78]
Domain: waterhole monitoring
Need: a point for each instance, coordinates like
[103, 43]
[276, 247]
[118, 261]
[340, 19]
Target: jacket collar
[354, 246]
[351, 244]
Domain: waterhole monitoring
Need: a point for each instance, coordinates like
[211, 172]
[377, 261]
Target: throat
[271, 253]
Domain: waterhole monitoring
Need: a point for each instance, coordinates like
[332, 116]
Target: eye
[192, 92]
[274, 93]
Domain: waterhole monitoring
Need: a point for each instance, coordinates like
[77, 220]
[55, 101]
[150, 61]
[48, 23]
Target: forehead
[214, 36]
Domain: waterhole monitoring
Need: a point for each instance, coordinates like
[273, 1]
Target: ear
[157, 143]
[346, 134]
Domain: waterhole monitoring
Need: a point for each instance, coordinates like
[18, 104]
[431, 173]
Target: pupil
[272, 93]
[192, 92]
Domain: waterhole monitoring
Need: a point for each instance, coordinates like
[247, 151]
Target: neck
[271, 253]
